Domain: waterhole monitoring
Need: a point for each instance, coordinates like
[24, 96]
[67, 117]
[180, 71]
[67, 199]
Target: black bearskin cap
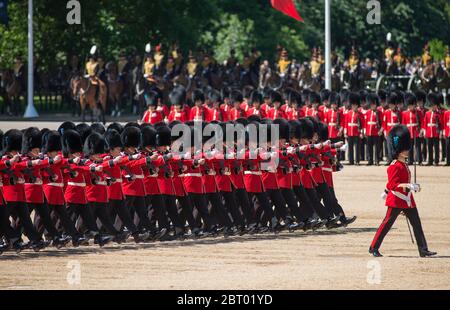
[373, 98]
[254, 118]
[95, 144]
[99, 128]
[177, 97]
[295, 129]
[71, 142]
[66, 126]
[116, 126]
[237, 96]
[256, 96]
[151, 99]
[84, 130]
[398, 140]
[354, 99]
[314, 98]
[131, 137]
[148, 136]
[306, 128]
[283, 127]
[198, 95]
[51, 142]
[163, 136]
[323, 132]
[12, 141]
[275, 97]
[334, 98]
[32, 139]
[113, 139]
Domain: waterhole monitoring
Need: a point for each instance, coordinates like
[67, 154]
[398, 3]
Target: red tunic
[432, 124]
[398, 173]
[133, 178]
[447, 124]
[34, 193]
[75, 192]
[412, 121]
[237, 174]
[154, 117]
[253, 176]
[372, 123]
[390, 120]
[96, 182]
[235, 114]
[213, 114]
[197, 114]
[54, 183]
[193, 178]
[332, 119]
[225, 108]
[274, 114]
[14, 192]
[177, 116]
[353, 124]
[258, 112]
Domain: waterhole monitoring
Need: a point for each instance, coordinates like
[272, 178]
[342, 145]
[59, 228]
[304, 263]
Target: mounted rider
[284, 63]
[18, 67]
[192, 66]
[92, 71]
[447, 59]
[315, 63]
[353, 60]
[426, 57]
[149, 65]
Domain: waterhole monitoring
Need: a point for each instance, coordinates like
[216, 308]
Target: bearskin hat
[334, 98]
[354, 99]
[131, 137]
[242, 121]
[116, 126]
[398, 140]
[325, 94]
[214, 96]
[382, 94]
[306, 128]
[315, 123]
[323, 132]
[177, 97]
[95, 144]
[71, 142]
[392, 98]
[421, 95]
[148, 137]
[66, 126]
[84, 130]
[198, 95]
[226, 93]
[266, 92]
[99, 128]
[254, 118]
[294, 97]
[410, 99]
[132, 124]
[12, 141]
[113, 139]
[275, 97]
[32, 139]
[283, 127]
[256, 96]
[343, 95]
[236, 96]
[314, 98]
[372, 98]
[295, 129]
[51, 142]
[151, 99]
[163, 136]
[433, 99]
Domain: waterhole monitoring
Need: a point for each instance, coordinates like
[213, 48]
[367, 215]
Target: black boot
[61, 241]
[38, 245]
[347, 220]
[375, 253]
[426, 253]
[79, 241]
[103, 240]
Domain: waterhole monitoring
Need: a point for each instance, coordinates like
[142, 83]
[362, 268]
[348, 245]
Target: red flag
[288, 8]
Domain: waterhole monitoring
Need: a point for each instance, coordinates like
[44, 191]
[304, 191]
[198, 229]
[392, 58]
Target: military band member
[399, 197]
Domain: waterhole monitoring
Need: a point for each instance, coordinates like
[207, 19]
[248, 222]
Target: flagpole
[31, 110]
[328, 44]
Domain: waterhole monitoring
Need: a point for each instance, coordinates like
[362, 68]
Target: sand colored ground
[322, 260]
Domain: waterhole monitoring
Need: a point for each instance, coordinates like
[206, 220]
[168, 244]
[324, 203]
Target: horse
[115, 88]
[442, 78]
[14, 87]
[306, 80]
[86, 92]
[428, 77]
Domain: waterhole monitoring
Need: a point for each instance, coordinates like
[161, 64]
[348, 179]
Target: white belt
[20, 181]
[252, 172]
[406, 198]
[103, 183]
[448, 124]
[226, 173]
[153, 175]
[212, 173]
[35, 183]
[332, 124]
[199, 175]
[432, 125]
[352, 124]
[412, 125]
[76, 184]
[393, 124]
[372, 123]
[117, 181]
[56, 184]
[327, 169]
[139, 177]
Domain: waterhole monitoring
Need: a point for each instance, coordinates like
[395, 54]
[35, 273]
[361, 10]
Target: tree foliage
[219, 26]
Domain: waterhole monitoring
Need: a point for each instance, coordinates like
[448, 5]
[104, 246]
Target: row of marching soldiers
[88, 183]
[364, 119]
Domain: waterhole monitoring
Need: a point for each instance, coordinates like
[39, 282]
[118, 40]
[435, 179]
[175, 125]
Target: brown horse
[86, 92]
[13, 87]
[115, 88]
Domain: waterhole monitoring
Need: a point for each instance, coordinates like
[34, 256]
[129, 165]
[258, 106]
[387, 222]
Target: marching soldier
[152, 115]
[399, 197]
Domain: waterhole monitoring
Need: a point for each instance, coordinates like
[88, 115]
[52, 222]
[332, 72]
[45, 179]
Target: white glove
[136, 156]
[344, 148]
[290, 150]
[384, 195]
[414, 187]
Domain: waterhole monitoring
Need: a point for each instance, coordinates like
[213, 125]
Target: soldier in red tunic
[399, 197]
[373, 129]
[152, 115]
[432, 127]
[411, 119]
[353, 129]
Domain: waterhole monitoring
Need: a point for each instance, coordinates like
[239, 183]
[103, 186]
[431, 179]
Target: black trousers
[336, 202]
[248, 210]
[382, 148]
[20, 212]
[43, 211]
[118, 208]
[363, 148]
[354, 150]
[447, 151]
[233, 208]
[415, 153]
[424, 148]
[278, 201]
[443, 147]
[293, 205]
[158, 212]
[5, 225]
[305, 204]
[392, 213]
[433, 150]
[329, 202]
[218, 210]
[100, 211]
[186, 213]
[83, 212]
[171, 206]
[373, 149]
[319, 209]
[67, 224]
[264, 213]
[137, 205]
[200, 203]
